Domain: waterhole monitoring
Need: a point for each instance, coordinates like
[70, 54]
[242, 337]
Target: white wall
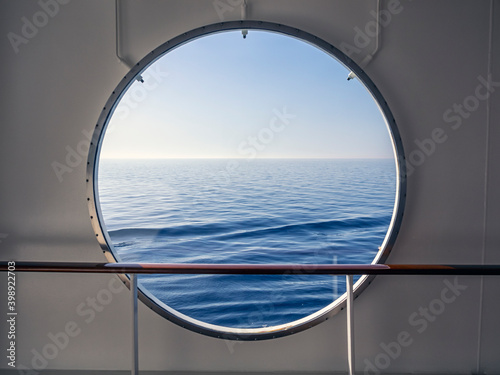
[431, 56]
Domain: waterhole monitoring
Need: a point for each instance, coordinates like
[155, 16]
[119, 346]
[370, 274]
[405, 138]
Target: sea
[286, 211]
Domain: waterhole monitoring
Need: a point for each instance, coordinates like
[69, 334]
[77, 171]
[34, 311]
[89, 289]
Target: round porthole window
[246, 150]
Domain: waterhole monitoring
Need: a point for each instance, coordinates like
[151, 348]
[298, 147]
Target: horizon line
[248, 159]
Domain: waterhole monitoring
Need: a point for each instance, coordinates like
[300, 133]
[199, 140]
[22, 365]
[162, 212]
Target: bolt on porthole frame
[150, 300]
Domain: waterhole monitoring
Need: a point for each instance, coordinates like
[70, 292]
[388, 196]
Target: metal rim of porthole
[150, 300]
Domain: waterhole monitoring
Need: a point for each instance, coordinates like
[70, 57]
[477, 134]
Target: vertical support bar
[135, 343]
[350, 324]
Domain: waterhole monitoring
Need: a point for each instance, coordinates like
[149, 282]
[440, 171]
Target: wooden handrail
[256, 269]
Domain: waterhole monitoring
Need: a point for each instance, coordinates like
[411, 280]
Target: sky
[266, 96]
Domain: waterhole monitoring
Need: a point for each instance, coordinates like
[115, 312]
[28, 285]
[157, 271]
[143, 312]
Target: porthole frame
[229, 333]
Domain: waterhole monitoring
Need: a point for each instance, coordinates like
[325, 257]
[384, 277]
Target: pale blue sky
[266, 96]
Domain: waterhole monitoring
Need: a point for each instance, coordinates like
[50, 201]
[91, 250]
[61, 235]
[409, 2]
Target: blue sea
[311, 211]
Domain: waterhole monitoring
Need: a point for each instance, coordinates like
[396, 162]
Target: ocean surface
[313, 211]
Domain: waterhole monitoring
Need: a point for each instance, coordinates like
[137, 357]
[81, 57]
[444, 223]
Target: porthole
[246, 150]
